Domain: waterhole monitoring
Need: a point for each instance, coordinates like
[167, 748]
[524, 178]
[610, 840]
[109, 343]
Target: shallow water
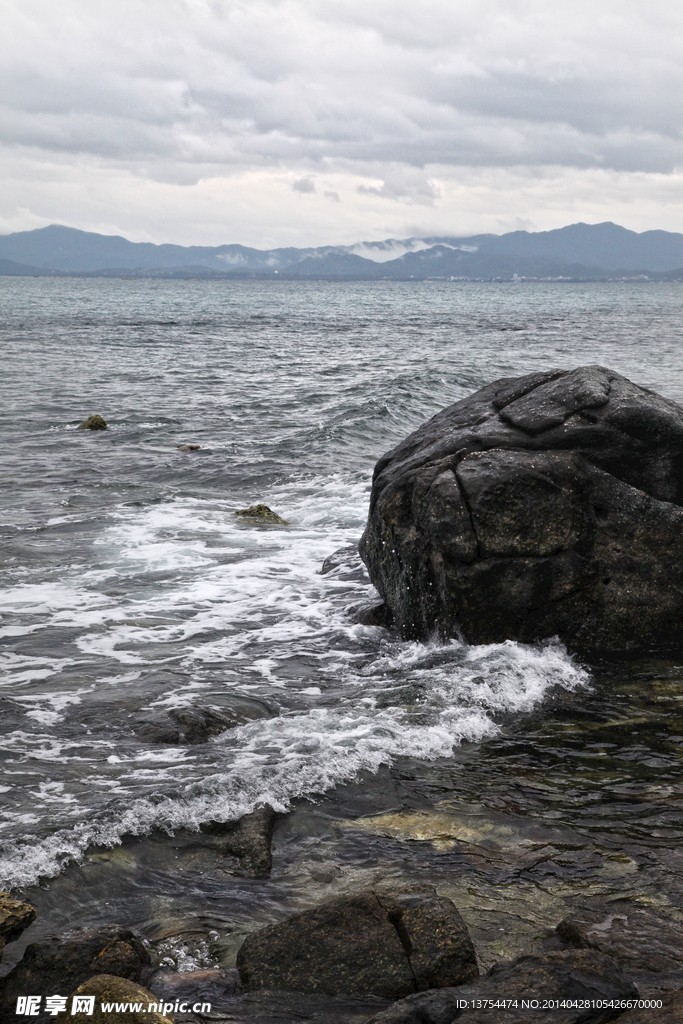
[129, 587]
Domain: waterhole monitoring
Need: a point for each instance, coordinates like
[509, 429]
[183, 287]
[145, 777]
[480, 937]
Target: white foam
[249, 601]
[277, 760]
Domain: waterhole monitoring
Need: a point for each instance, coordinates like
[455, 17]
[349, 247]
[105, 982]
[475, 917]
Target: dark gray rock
[375, 613]
[212, 985]
[345, 564]
[545, 505]
[569, 975]
[194, 724]
[671, 1011]
[249, 840]
[61, 963]
[646, 943]
[388, 943]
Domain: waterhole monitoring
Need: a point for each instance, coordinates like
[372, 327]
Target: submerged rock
[261, 514]
[15, 916]
[92, 423]
[388, 943]
[215, 985]
[60, 964]
[108, 988]
[186, 725]
[572, 976]
[647, 943]
[345, 564]
[250, 841]
[376, 613]
[544, 505]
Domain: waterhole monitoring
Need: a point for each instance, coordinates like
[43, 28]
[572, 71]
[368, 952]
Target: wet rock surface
[645, 942]
[61, 964]
[213, 985]
[249, 841]
[671, 1012]
[544, 505]
[190, 725]
[572, 812]
[184, 725]
[385, 942]
[576, 975]
[15, 917]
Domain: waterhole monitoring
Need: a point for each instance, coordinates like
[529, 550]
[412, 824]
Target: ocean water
[130, 588]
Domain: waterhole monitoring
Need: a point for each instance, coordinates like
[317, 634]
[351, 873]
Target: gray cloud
[406, 186]
[383, 105]
[305, 186]
[234, 84]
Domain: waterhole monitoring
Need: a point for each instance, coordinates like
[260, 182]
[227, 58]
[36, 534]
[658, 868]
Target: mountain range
[575, 252]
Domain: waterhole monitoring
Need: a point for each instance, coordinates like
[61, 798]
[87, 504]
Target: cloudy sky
[298, 122]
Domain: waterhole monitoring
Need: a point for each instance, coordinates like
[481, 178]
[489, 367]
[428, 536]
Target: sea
[130, 588]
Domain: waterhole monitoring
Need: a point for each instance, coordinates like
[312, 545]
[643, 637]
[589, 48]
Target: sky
[311, 122]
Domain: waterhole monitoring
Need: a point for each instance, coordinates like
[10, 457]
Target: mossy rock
[14, 917]
[92, 423]
[261, 514]
[107, 988]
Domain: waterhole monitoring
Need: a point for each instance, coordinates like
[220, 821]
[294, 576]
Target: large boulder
[61, 963]
[389, 943]
[589, 986]
[544, 505]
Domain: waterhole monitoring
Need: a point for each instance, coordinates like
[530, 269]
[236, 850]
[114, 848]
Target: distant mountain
[579, 251]
[9, 268]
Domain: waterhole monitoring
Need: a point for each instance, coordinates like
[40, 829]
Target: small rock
[60, 964]
[326, 873]
[189, 447]
[249, 839]
[376, 614]
[212, 985]
[193, 724]
[390, 943]
[108, 988]
[14, 918]
[92, 423]
[346, 564]
[261, 514]
[574, 933]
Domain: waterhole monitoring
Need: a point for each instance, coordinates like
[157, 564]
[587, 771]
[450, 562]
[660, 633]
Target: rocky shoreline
[563, 897]
[535, 876]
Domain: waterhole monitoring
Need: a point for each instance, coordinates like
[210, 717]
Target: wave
[412, 700]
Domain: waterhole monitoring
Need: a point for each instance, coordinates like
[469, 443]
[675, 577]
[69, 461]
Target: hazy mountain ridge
[578, 251]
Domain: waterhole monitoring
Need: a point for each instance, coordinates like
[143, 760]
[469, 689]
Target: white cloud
[110, 109]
